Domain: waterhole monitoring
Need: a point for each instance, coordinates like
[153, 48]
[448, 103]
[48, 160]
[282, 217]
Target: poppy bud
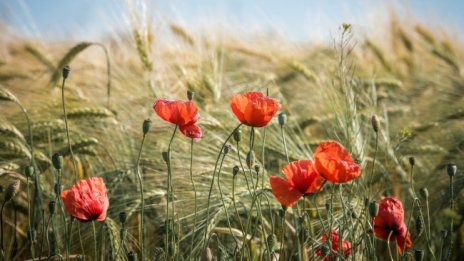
[250, 159]
[146, 126]
[412, 161]
[190, 95]
[226, 149]
[165, 155]
[237, 135]
[375, 123]
[122, 217]
[424, 193]
[235, 170]
[257, 168]
[419, 225]
[51, 207]
[451, 168]
[271, 242]
[373, 208]
[418, 255]
[29, 171]
[282, 118]
[12, 189]
[66, 71]
[57, 161]
[131, 256]
[57, 189]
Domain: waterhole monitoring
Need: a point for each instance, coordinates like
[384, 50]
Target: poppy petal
[254, 109]
[285, 193]
[192, 131]
[335, 163]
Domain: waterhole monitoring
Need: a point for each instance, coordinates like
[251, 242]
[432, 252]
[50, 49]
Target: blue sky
[297, 19]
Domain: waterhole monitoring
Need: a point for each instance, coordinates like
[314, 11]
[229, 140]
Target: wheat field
[412, 80]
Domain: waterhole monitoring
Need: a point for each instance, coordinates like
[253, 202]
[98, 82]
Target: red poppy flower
[192, 131]
[334, 163]
[87, 200]
[346, 245]
[391, 220]
[181, 113]
[302, 179]
[254, 109]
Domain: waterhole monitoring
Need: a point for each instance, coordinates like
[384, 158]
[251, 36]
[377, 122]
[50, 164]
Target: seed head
[66, 71]
[12, 189]
[419, 225]
[282, 118]
[158, 252]
[226, 149]
[452, 168]
[165, 155]
[373, 208]
[190, 95]
[375, 123]
[51, 207]
[146, 126]
[235, 170]
[57, 161]
[424, 193]
[122, 217]
[29, 171]
[237, 135]
[250, 159]
[412, 161]
[257, 168]
[271, 242]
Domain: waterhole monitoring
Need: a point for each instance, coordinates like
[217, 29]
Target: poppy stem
[31, 239]
[142, 217]
[388, 245]
[282, 236]
[169, 190]
[282, 133]
[373, 161]
[95, 239]
[243, 168]
[67, 130]
[212, 184]
[195, 197]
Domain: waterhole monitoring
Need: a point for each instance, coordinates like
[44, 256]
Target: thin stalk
[222, 198]
[1, 224]
[95, 240]
[169, 190]
[195, 197]
[32, 247]
[373, 161]
[67, 131]
[282, 133]
[45, 232]
[388, 245]
[141, 199]
[212, 183]
[452, 219]
[282, 236]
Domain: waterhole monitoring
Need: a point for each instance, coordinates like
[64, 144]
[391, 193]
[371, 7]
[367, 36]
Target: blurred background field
[403, 63]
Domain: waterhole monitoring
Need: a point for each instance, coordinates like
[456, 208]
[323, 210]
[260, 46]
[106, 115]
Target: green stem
[282, 236]
[195, 197]
[282, 133]
[95, 240]
[169, 191]
[67, 131]
[388, 245]
[139, 176]
[212, 184]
